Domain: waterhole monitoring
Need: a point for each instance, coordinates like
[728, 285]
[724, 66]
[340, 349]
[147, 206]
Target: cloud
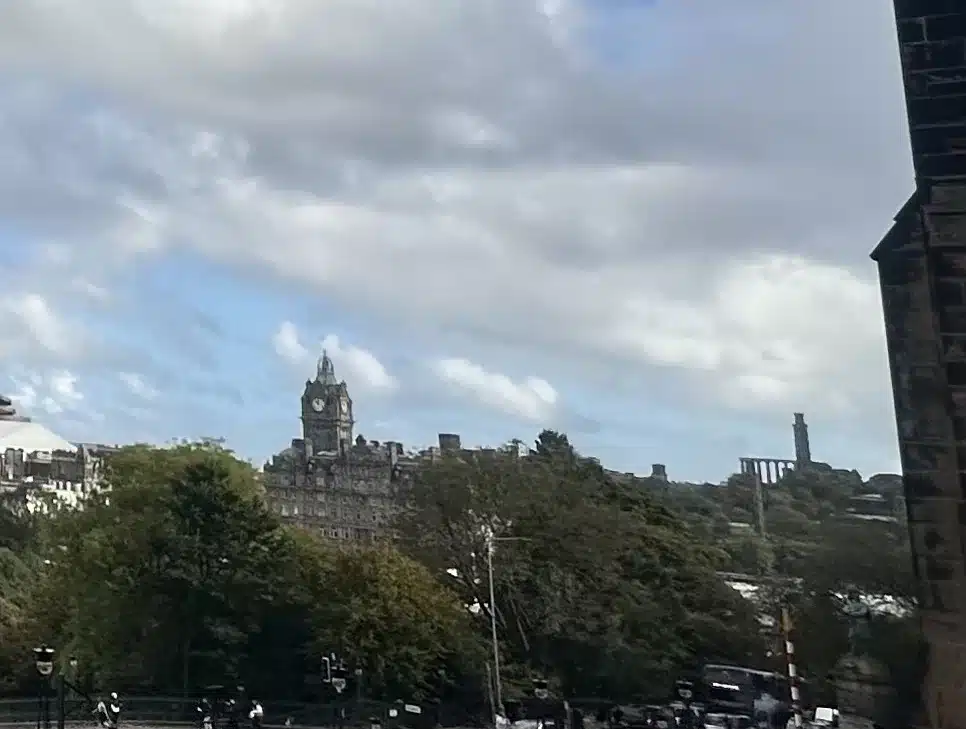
[288, 346]
[777, 331]
[361, 364]
[137, 385]
[533, 399]
[31, 325]
[53, 393]
[548, 190]
[627, 191]
[356, 365]
[90, 289]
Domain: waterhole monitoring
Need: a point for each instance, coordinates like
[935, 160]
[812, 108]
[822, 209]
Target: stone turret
[449, 442]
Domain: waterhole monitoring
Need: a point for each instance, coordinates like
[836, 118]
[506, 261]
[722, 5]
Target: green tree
[597, 585]
[389, 616]
[164, 578]
[18, 577]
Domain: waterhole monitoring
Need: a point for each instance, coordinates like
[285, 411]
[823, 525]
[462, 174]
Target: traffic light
[684, 689]
[540, 688]
[338, 674]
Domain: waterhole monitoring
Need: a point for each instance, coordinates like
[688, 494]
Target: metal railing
[161, 710]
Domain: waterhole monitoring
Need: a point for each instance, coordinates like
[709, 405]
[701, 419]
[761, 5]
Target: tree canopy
[814, 537]
[176, 575]
[596, 585]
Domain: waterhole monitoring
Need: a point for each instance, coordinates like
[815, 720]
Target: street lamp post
[44, 660]
[497, 689]
[334, 673]
[491, 540]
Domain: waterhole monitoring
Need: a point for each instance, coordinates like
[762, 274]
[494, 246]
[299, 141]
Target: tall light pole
[785, 617]
[497, 689]
[491, 540]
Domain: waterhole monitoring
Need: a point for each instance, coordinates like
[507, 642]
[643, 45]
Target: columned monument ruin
[771, 470]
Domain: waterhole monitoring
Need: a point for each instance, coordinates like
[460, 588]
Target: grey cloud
[802, 156]
[776, 145]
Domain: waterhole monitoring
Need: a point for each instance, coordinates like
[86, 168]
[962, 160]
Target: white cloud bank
[532, 399]
[354, 364]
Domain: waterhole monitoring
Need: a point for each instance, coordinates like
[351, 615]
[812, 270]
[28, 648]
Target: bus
[742, 690]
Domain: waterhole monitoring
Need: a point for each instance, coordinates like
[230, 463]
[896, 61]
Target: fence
[149, 710]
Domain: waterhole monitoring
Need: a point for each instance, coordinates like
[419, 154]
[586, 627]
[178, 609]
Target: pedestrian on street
[256, 714]
[204, 713]
[103, 715]
[231, 713]
[114, 710]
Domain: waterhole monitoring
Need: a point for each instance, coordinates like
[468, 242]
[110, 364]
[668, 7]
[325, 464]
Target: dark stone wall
[922, 269]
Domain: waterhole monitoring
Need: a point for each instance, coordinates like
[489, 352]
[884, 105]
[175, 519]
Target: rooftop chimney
[449, 442]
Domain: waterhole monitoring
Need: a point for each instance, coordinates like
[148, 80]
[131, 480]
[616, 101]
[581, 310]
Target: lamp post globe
[44, 658]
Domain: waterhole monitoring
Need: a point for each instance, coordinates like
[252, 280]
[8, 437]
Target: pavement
[134, 724]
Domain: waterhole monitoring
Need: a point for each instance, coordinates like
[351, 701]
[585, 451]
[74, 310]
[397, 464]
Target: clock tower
[326, 409]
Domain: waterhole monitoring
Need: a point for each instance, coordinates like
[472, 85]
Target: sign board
[412, 709]
[338, 684]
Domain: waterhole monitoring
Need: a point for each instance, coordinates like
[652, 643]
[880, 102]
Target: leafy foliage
[597, 585]
[178, 576]
[388, 615]
[814, 538]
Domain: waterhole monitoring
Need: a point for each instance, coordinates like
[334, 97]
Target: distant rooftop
[29, 437]
[8, 411]
[20, 433]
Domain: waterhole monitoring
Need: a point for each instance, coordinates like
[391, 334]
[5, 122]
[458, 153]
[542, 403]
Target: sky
[643, 223]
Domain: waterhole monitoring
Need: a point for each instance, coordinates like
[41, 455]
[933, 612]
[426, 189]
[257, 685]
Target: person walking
[256, 714]
[231, 714]
[114, 710]
[204, 713]
[101, 714]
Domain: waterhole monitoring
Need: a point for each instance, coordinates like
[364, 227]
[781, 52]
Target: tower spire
[324, 371]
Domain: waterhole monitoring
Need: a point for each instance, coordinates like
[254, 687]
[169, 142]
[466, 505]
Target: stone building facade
[922, 274]
[345, 488]
[37, 465]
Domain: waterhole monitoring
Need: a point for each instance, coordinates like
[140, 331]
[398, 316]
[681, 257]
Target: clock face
[345, 405]
[318, 404]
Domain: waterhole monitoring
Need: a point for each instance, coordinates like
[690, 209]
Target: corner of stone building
[943, 694]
